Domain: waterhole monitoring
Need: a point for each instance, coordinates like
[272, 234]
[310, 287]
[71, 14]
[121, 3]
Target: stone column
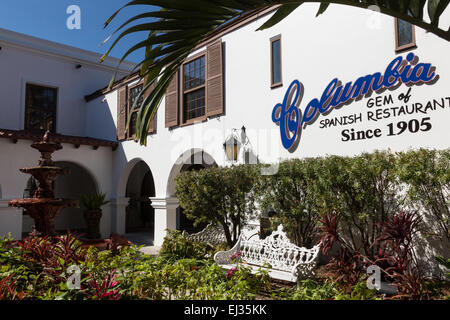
[11, 220]
[165, 217]
[119, 215]
[106, 220]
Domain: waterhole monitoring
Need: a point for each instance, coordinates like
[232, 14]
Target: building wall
[344, 42]
[27, 59]
[96, 163]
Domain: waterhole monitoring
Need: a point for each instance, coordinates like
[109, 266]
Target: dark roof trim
[99, 93]
[16, 135]
[239, 22]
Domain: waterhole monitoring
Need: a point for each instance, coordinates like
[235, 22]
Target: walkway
[145, 239]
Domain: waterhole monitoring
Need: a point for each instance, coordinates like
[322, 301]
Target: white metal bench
[283, 260]
[211, 234]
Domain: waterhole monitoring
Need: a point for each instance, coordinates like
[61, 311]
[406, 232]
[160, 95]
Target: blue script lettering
[291, 120]
[287, 115]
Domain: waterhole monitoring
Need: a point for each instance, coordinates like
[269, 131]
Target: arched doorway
[191, 160]
[77, 182]
[140, 215]
[183, 222]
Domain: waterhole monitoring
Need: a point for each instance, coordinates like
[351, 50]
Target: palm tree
[175, 27]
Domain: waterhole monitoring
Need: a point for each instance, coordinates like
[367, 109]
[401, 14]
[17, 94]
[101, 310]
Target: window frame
[409, 46]
[272, 83]
[185, 122]
[55, 109]
[130, 105]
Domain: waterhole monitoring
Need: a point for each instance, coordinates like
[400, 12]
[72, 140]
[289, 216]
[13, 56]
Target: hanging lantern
[231, 147]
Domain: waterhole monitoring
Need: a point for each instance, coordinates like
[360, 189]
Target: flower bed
[38, 269]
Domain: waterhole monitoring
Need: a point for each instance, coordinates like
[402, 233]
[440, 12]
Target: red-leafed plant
[117, 242]
[35, 248]
[345, 268]
[395, 255]
[46, 249]
[395, 241]
[410, 285]
[69, 248]
[329, 231]
[8, 289]
[50, 256]
[108, 289]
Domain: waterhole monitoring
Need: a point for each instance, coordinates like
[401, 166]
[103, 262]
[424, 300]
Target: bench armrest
[306, 269]
[223, 257]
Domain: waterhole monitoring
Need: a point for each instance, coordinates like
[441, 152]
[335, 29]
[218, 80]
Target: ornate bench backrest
[211, 234]
[277, 251]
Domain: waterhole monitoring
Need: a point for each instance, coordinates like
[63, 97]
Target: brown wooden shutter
[122, 113]
[152, 125]
[214, 82]
[172, 103]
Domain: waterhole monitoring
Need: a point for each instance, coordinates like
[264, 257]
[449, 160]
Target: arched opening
[140, 215]
[73, 185]
[191, 160]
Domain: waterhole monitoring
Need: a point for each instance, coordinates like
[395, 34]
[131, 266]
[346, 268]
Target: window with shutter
[134, 100]
[152, 125]
[214, 81]
[122, 113]
[200, 90]
[172, 103]
[194, 89]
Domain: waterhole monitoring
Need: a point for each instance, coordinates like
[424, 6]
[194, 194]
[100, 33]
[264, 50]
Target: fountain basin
[30, 202]
[43, 211]
[43, 171]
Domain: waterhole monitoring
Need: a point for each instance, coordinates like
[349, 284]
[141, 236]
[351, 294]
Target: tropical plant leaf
[416, 8]
[280, 14]
[323, 7]
[435, 9]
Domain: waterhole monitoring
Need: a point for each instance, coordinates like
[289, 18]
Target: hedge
[364, 191]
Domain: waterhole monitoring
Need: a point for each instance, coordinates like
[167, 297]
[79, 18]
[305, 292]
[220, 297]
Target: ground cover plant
[32, 271]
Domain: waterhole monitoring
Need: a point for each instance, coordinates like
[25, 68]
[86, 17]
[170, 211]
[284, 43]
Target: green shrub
[445, 263]
[221, 195]
[363, 191]
[290, 193]
[176, 247]
[427, 174]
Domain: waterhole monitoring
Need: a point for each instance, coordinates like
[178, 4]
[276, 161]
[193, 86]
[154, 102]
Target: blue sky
[47, 19]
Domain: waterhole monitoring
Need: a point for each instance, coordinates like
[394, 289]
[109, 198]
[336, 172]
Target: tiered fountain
[43, 207]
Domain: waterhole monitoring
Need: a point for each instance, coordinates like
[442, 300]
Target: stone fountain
[43, 208]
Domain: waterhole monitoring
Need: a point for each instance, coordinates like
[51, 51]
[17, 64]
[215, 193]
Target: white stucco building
[237, 77]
